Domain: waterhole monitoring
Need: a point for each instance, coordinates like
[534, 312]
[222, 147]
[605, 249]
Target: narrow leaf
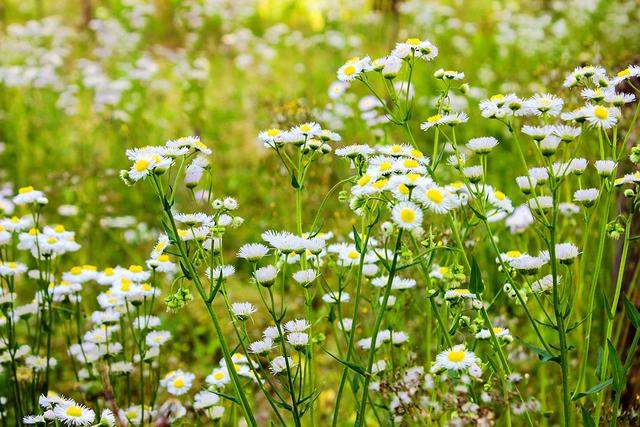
[632, 313]
[596, 388]
[616, 368]
[476, 286]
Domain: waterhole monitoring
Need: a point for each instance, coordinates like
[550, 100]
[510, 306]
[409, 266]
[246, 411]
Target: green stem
[592, 292]
[612, 312]
[360, 420]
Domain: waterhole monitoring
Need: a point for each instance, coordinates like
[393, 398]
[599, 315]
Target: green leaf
[354, 367]
[632, 313]
[356, 237]
[185, 271]
[475, 211]
[596, 388]
[225, 396]
[215, 289]
[543, 354]
[294, 181]
[475, 286]
[616, 368]
[587, 421]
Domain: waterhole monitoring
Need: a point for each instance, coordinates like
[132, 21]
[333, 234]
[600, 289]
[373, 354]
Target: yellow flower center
[52, 240]
[379, 185]
[125, 285]
[408, 215]
[33, 231]
[435, 195]
[417, 153]
[601, 112]
[456, 356]
[499, 195]
[443, 270]
[434, 118]
[462, 291]
[497, 330]
[146, 287]
[15, 219]
[364, 180]
[135, 268]
[349, 70]
[396, 148]
[141, 165]
[74, 411]
[385, 166]
[109, 271]
[76, 270]
[59, 228]
[413, 41]
[273, 132]
[497, 97]
[178, 382]
[24, 190]
[218, 375]
[163, 258]
[513, 254]
[412, 177]
[403, 189]
[624, 73]
[410, 163]
[353, 254]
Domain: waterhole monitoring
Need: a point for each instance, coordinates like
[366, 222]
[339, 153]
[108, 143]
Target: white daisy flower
[586, 196]
[457, 358]
[544, 284]
[298, 340]
[565, 252]
[73, 414]
[335, 297]
[436, 199]
[27, 195]
[157, 338]
[305, 277]
[545, 103]
[482, 145]
[605, 168]
[499, 332]
[177, 382]
[218, 377]
[407, 215]
[459, 293]
[261, 347]
[353, 68]
[279, 364]
[266, 275]
[443, 74]
[242, 310]
[602, 117]
[205, 399]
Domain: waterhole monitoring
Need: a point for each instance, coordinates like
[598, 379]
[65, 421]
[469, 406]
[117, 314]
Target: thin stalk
[376, 328]
[612, 312]
[592, 292]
